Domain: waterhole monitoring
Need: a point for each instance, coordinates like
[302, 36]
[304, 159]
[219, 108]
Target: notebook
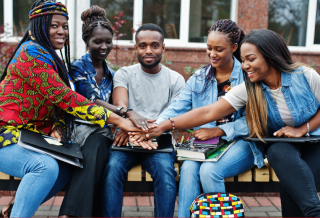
[164, 146]
[215, 156]
[310, 139]
[70, 154]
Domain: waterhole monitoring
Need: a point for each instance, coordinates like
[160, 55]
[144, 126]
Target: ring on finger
[142, 123]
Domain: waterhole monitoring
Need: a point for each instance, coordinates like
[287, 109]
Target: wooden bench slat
[4, 176]
[261, 175]
[245, 177]
[231, 179]
[135, 174]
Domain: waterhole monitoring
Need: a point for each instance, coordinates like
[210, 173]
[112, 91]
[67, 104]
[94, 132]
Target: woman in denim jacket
[206, 87]
[282, 99]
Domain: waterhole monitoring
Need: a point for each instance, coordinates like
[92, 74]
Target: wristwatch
[118, 110]
[125, 111]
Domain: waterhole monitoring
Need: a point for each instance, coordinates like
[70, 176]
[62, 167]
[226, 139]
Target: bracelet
[172, 123]
[308, 134]
[118, 110]
[125, 111]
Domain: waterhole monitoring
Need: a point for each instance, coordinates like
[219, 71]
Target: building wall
[252, 14]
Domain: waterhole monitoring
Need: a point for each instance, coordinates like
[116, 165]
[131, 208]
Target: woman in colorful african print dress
[36, 95]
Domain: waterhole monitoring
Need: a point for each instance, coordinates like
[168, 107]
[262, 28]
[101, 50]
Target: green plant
[190, 70]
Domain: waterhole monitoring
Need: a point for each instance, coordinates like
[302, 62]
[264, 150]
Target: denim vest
[299, 98]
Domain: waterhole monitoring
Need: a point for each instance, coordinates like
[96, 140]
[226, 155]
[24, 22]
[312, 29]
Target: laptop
[309, 139]
[34, 141]
[164, 142]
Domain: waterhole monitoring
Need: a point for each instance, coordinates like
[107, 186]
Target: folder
[164, 142]
[70, 154]
[306, 139]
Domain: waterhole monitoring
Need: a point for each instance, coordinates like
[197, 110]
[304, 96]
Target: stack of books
[204, 151]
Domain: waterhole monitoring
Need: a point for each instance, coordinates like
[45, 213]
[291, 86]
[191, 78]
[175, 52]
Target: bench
[138, 180]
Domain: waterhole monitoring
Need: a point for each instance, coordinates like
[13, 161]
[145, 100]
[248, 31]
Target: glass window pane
[21, 9]
[317, 28]
[203, 14]
[113, 7]
[289, 19]
[1, 16]
[165, 13]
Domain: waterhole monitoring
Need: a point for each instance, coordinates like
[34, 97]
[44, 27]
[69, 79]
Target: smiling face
[219, 50]
[100, 43]
[254, 63]
[149, 48]
[58, 32]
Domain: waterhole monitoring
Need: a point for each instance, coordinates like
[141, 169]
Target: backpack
[213, 204]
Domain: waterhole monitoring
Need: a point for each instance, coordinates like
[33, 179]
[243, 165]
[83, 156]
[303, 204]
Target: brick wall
[252, 14]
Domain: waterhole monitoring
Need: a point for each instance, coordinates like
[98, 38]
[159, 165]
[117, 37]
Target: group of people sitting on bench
[251, 87]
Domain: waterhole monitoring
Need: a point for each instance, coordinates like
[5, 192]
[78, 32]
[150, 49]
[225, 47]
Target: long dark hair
[39, 29]
[234, 35]
[276, 53]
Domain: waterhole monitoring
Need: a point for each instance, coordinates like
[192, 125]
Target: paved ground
[143, 206]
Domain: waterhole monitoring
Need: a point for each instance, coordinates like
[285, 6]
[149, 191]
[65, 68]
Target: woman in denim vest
[282, 99]
[207, 86]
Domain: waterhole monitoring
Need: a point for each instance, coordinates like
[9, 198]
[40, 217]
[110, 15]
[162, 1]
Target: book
[46, 145]
[213, 157]
[213, 142]
[188, 149]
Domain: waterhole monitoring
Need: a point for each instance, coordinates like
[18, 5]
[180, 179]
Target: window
[203, 14]
[1, 16]
[289, 19]
[21, 9]
[164, 13]
[317, 26]
[113, 7]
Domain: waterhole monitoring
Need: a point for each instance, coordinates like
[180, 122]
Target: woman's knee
[210, 170]
[277, 151]
[47, 166]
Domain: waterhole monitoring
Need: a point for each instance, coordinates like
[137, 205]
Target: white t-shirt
[237, 96]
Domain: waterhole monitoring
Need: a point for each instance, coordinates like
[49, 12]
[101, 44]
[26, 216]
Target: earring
[32, 38]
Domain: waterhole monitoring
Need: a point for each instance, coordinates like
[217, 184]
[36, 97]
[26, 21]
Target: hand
[55, 134]
[139, 121]
[121, 138]
[127, 125]
[208, 133]
[154, 132]
[290, 132]
[140, 140]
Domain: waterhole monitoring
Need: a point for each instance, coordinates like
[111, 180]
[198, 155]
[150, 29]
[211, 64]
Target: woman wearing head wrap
[36, 95]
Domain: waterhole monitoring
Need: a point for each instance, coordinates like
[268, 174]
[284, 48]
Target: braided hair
[38, 32]
[233, 35]
[93, 17]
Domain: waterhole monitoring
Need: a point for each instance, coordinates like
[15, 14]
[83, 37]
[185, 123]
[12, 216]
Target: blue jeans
[161, 168]
[236, 160]
[298, 169]
[42, 177]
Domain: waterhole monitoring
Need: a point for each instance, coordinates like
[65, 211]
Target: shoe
[6, 211]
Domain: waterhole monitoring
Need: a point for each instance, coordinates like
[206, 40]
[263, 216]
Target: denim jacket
[189, 99]
[83, 75]
[299, 98]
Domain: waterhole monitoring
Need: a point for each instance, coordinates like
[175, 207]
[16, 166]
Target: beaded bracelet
[172, 123]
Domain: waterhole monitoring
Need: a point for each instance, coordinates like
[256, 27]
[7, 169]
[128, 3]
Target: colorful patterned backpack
[212, 205]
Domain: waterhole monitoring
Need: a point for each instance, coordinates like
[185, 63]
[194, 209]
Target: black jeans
[83, 195]
[297, 166]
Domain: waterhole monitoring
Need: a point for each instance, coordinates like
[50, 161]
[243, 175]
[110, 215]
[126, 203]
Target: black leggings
[297, 166]
[82, 198]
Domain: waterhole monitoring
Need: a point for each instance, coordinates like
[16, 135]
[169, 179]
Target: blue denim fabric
[161, 168]
[42, 177]
[238, 159]
[189, 99]
[299, 98]
[83, 75]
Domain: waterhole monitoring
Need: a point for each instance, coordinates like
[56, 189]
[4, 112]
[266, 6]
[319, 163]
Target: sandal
[6, 211]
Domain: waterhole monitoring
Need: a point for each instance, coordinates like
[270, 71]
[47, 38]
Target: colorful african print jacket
[31, 89]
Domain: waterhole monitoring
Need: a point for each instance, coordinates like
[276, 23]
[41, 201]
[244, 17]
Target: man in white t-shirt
[142, 92]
